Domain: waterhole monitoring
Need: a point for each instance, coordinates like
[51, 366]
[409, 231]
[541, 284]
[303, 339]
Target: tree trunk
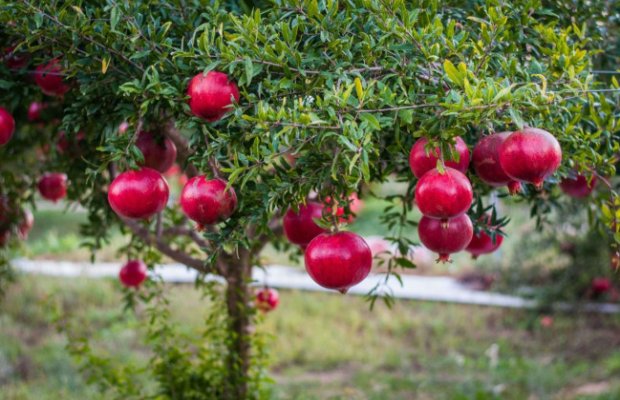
[238, 298]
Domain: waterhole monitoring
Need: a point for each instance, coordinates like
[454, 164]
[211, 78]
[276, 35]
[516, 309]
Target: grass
[327, 346]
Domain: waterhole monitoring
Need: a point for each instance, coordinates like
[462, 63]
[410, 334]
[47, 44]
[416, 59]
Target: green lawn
[326, 346]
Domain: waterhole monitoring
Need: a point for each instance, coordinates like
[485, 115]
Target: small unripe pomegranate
[530, 155]
[338, 260]
[138, 194]
[25, 224]
[600, 286]
[159, 152]
[207, 201]
[578, 186]
[211, 95]
[443, 195]
[53, 186]
[7, 126]
[446, 238]
[300, 227]
[482, 243]
[267, 299]
[50, 78]
[133, 273]
[486, 162]
[421, 161]
[34, 111]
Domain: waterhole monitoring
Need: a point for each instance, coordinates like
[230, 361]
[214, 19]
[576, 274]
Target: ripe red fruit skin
[25, 225]
[443, 195]
[338, 260]
[530, 155]
[446, 238]
[210, 95]
[159, 153]
[300, 227]
[600, 285]
[578, 187]
[267, 299]
[133, 273]
[206, 201]
[138, 194]
[485, 159]
[420, 162]
[53, 186]
[482, 243]
[34, 111]
[7, 126]
[49, 77]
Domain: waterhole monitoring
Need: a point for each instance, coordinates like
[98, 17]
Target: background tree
[345, 88]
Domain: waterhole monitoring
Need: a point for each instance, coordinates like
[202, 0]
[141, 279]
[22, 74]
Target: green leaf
[452, 72]
[249, 70]
[115, 17]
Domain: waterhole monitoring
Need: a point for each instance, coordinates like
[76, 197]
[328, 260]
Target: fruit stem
[343, 290]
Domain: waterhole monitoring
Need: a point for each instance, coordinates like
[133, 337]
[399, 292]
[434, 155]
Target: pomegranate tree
[530, 155]
[138, 194]
[338, 260]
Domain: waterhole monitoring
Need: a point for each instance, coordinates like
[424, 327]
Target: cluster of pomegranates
[444, 194]
[267, 299]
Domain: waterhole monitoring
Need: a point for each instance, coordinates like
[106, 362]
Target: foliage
[343, 86]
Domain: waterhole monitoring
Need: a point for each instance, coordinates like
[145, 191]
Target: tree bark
[238, 297]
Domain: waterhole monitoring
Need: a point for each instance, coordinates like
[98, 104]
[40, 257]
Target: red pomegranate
[578, 186]
[443, 195]
[206, 201]
[66, 145]
[422, 161]
[159, 152]
[50, 78]
[138, 194]
[34, 111]
[7, 126]
[338, 260]
[211, 95]
[133, 273]
[482, 243]
[53, 186]
[486, 162]
[300, 227]
[267, 299]
[443, 238]
[530, 155]
[600, 286]
[25, 224]
[15, 60]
